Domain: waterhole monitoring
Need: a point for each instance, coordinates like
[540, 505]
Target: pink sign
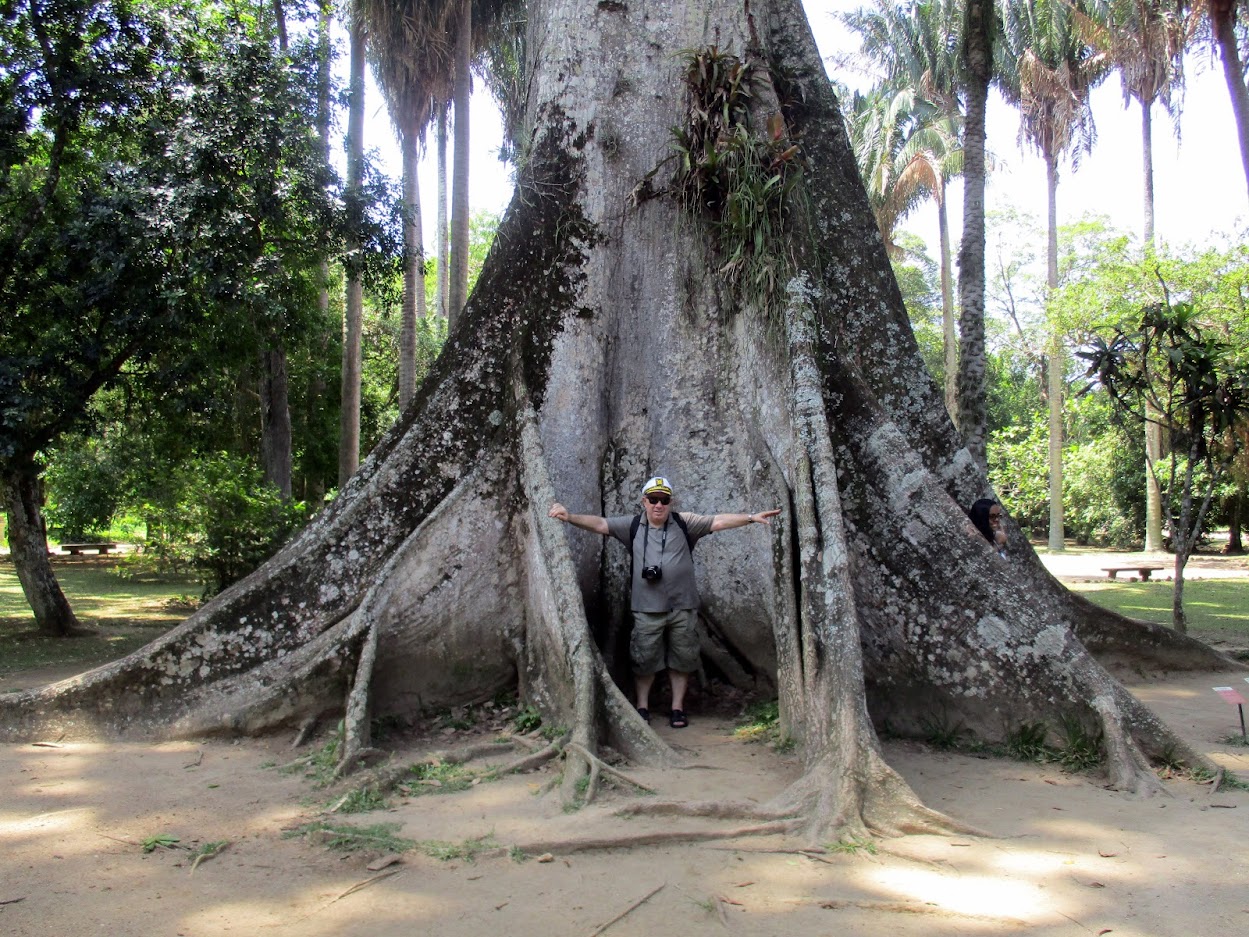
[1228, 694]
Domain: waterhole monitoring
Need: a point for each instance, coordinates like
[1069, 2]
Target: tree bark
[602, 346]
[275, 419]
[349, 418]
[1056, 370]
[28, 546]
[949, 336]
[413, 273]
[442, 282]
[972, 413]
[1223, 18]
[457, 290]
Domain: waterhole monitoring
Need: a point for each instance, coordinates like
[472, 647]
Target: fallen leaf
[378, 864]
[730, 901]
[742, 884]
[546, 857]
[1096, 885]
[1050, 781]
[1107, 855]
[1104, 930]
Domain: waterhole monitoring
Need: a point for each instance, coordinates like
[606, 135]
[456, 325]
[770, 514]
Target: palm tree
[1221, 17]
[462, 88]
[1144, 40]
[349, 414]
[978, 31]
[916, 47]
[442, 282]
[906, 151]
[1047, 70]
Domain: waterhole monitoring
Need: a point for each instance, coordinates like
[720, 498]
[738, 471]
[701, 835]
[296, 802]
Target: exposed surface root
[715, 809]
[657, 838]
[861, 799]
[597, 767]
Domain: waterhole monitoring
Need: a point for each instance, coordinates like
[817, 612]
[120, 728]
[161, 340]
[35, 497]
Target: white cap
[658, 483]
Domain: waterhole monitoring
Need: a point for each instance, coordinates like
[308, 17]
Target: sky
[1199, 185]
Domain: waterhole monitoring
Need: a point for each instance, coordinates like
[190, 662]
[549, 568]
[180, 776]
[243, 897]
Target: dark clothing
[668, 548]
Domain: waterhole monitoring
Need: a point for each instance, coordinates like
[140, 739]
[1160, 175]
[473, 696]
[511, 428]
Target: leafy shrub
[85, 485]
[217, 516]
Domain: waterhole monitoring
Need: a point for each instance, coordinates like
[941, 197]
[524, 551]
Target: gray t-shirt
[667, 549]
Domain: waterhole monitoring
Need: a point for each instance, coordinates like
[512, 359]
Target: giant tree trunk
[972, 365]
[28, 547]
[601, 346]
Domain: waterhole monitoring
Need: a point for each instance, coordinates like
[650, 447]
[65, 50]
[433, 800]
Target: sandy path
[1066, 857]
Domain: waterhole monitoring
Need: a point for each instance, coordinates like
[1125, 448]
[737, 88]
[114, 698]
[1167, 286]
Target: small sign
[1229, 695]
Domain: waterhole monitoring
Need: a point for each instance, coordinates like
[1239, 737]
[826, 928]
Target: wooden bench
[73, 549]
[1142, 571]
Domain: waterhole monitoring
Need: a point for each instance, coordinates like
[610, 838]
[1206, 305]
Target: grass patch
[849, 846]
[761, 723]
[438, 778]
[468, 850]
[1212, 605]
[350, 838]
[126, 613]
[362, 800]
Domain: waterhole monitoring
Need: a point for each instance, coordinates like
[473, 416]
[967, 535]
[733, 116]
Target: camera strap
[662, 543]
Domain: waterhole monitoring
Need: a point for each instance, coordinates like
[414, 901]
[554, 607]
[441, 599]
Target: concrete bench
[73, 549]
[1142, 571]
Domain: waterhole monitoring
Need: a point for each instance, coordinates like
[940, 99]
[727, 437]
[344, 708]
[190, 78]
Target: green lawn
[1215, 607]
[124, 613]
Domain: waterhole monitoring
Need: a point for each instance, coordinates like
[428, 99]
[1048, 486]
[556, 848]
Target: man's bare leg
[679, 682]
[642, 683]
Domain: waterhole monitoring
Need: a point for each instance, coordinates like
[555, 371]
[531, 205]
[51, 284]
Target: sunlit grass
[1210, 604]
[126, 614]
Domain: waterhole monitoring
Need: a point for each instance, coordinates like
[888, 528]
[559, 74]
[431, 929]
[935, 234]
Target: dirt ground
[1063, 856]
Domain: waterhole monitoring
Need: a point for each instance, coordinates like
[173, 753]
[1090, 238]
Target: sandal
[677, 720]
[645, 714]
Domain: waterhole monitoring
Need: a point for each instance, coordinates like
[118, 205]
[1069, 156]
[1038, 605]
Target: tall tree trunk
[949, 338]
[1153, 433]
[1153, 491]
[972, 366]
[1223, 19]
[275, 420]
[458, 289]
[601, 345]
[28, 546]
[1236, 516]
[1147, 159]
[443, 282]
[1057, 367]
[413, 272]
[353, 318]
[275, 410]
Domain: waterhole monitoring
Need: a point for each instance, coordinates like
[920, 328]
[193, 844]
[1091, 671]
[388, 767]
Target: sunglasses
[659, 499]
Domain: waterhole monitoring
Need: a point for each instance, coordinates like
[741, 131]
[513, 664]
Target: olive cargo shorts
[646, 646]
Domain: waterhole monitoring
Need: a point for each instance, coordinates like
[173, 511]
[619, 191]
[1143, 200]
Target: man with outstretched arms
[664, 596]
